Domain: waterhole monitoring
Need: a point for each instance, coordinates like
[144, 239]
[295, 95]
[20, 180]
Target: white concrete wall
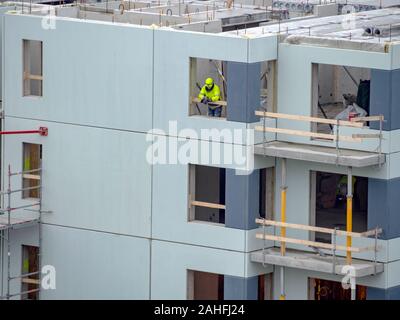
[108, 82]
[96, 265]
[93, 178]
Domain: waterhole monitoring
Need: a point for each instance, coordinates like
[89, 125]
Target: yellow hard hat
[209, 81]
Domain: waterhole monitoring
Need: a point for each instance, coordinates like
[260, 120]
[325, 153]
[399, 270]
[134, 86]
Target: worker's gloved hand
[205, 100]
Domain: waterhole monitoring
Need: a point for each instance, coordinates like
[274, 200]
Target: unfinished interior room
[93, 93]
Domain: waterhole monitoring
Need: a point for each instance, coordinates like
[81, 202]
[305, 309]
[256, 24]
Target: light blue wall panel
[111, 191]
[170, 262]
[3, 10]
[395, 52]
[105, 82]
[96, 265]
[263, 48]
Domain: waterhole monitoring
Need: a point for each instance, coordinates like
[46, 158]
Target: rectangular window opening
[200, 71]
[32, 68]
[339, 92]
[265, 286]
[32, 157]
[329, 208]
[206, 194]
[217, 70]
[268, 86]
[30, 264]
[204, 286]
[267, 193]
[320, 289]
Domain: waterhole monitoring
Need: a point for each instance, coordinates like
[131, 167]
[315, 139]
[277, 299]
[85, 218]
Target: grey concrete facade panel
[385, 98]
[384, 206]
[242, 199]
[383, 294]
[243, 89]
[238, 288]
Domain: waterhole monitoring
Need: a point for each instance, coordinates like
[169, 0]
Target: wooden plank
[370, 233]
[308, 243]
[208, 205]
[30, 281]
[28, 76]
[31, 176]
[366, 136]
[367, 119]
[219, 103]
[307, 134]
[309, 228]
[309, 119]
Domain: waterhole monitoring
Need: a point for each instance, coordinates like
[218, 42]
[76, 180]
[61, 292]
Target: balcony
[324, 258]
[334, 154]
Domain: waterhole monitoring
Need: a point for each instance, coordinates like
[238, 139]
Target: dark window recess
[30, 264]
[207, 194]
[332, 290]
[32, 156]
[331, 191]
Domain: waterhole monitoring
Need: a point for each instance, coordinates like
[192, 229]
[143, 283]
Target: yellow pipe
[283, 219]
[283, 229]
[349, 224]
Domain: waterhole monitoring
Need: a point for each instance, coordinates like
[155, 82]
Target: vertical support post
[283, 205]
[283, 229]
[334, 250]
[337, 142]
[376, 249]
[353, 290]
[40, 232]
[8, 233]
[263, 249]
[380, 139]
[349, 213]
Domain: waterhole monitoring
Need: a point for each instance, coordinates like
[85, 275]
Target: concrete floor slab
[319, 154]
[314, 262]
[16, 223]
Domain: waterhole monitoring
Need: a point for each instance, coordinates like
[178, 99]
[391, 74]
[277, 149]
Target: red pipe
[43, 131]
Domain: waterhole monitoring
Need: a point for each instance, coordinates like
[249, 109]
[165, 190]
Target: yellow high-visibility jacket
[213, 95]
[342, 185]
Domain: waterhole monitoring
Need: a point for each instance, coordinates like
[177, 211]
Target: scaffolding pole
[7, 234]
[40, 233]
[349, 224]
[349, 212]
[283, 229]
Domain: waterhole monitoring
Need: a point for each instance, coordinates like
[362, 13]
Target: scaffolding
[8, 223]
[334, 137]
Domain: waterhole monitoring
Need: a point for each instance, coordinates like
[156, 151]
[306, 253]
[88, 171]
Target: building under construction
[91, 90]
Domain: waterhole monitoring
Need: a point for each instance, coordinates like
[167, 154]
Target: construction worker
[341, 190]
[209, 93]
